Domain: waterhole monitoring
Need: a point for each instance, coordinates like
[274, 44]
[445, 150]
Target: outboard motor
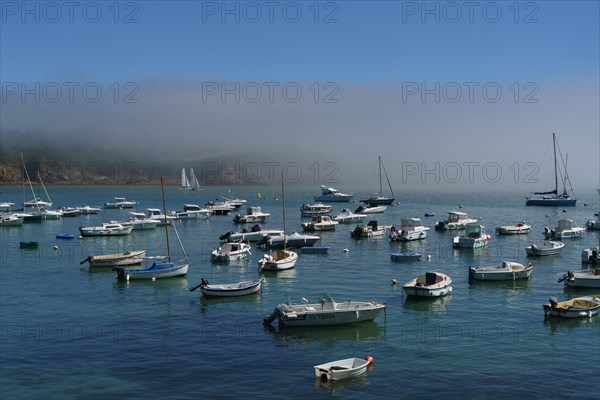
[553, 302]
[225, 235]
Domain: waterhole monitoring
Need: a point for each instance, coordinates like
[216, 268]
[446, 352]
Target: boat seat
[308, 308]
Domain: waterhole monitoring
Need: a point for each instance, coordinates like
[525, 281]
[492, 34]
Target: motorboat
[369, 230]
[506, 271]
[346, 216]
[379, 199]
[579, 307]
[320, 223]
[68, 211]
[594, 224]
[6, 206]
[219, 207]
[544, 248]
[231, 251]
[106, 229]
[591, 255]
[141, 222]
[553, 198]
[456, 220]
[429, 284]
[253, 235]
[234, 202]
[157, 215]
[329, 194]
[341, 369]
[309, 210]
[325, 312]
[583, 279]
[370, 209]
[11, 220]
[516, 229]
[229, 289]
[474, 237]
[253, 215]
[116, 259]
[278, 260]
[120, 202]
[50, 214]
[89, 210]
[294, 239]
[191, 211]
[566, 229]
[410, 229]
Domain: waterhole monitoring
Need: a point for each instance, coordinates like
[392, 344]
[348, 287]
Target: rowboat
[517, 229]
[578, 307]
[341, 369]
[430, 284]
[228, 289]
[116, 259]
[588, 279]
[278, 260]
[325, 312]
[507, 271]
[544, 248]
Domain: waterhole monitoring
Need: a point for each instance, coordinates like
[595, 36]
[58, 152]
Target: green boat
[28, 245]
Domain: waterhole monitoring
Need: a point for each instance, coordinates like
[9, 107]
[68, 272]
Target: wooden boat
[584, 279]
[430, 284]
[320, 223]
[410, 229]
[228, 289]
[507, 271]
[579, 307]
[107, 229]
[253, 215]
[473, 238]
[414, 256]
[325, 312]
[370, 230]
[159, 268]
[341, 369]
[456, 220]
[544, 248]
[116, 259]
[231, 251]
[517, 229]
[28, 245]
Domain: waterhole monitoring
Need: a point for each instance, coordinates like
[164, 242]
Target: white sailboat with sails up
[191, 183]
[378, 199]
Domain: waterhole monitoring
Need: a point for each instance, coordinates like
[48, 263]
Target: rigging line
[388, 179]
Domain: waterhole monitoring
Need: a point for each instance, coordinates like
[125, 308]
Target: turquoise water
[70, 333]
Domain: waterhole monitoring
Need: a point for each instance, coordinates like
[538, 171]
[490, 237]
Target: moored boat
[579, 307]
[106, 229]
[455, 220]
[11, 220]
[320, 223]
[341, 369]
[253, 235]
[369, 230]
[544, 248]
[410, 229]
[120, 202]
[309, 210]
[228, 289]
[346, 216]
[329, 194]
[369, 209]
[506, 271]
[294, 239]
[398, 257]
[566, 229]
[516, 229]
[116, 259]
[583, 279]
[473, 238]
[231, 251]
[253, 215]
[429, 284]
[278, 260]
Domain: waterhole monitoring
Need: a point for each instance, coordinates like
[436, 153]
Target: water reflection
[334, 386]
[433, 304]
[520, 284]
[556, 324]
[363, 331]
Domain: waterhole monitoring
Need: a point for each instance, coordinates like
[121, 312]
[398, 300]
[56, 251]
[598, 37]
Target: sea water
[68, 332]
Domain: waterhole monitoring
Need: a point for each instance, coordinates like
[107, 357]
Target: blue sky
[547, 51]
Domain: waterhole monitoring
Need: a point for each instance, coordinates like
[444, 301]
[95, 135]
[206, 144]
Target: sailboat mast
[166, 221]
[283, 203]
[555, 164]
[44, 187]
[380, 185]
[28, 180]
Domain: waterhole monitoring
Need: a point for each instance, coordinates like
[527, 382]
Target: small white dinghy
[342, 369]
[507, 271]
[228, 289]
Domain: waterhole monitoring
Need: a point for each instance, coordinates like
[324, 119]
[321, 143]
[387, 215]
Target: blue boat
[406, 256]
[65, 236]
[552, 198]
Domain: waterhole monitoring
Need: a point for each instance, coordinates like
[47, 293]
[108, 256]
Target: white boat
[11, 220]
[228, 289]
[594, 224]
[192, 211]
[160, 268]
[37, 202]
[591, 255]
[6, 207]
[309, 210]
[566, 229]
[141, 222]
[369, 230]
[278, 260]
[89, 210]
[552, 198]
[506, 271]
[430, 284]
[120, 202]
[254, 235]
[456, 220]
[106, 229]
[379, 199]
[325, 312]
[346, 216]
[69, 211]
[231, 251]
[116, 259]
[219, 207]
[584, 279]
[474, 237]
[329, 194]
[341, 369]
[234, 202]
[410, 229]
[544, 248]
[253, 215]
[370, 209]
[320, 223]
[294, 239]
[517, 229]
[157, 215]
[579, 307]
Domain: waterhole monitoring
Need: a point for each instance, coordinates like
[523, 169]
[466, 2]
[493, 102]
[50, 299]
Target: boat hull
[158, 270]
[231, 290]
[341, 369]
[551, 202]
[581, 307]
[117, 259]
[482, 274]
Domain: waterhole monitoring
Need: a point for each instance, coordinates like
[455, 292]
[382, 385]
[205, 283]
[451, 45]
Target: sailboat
[191, 183]
[280, 259]
[28, 216]
[552, 198]
[159, 268]
[185, 183]
[379, 198]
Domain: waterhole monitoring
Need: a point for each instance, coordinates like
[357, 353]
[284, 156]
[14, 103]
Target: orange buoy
[370, 359]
